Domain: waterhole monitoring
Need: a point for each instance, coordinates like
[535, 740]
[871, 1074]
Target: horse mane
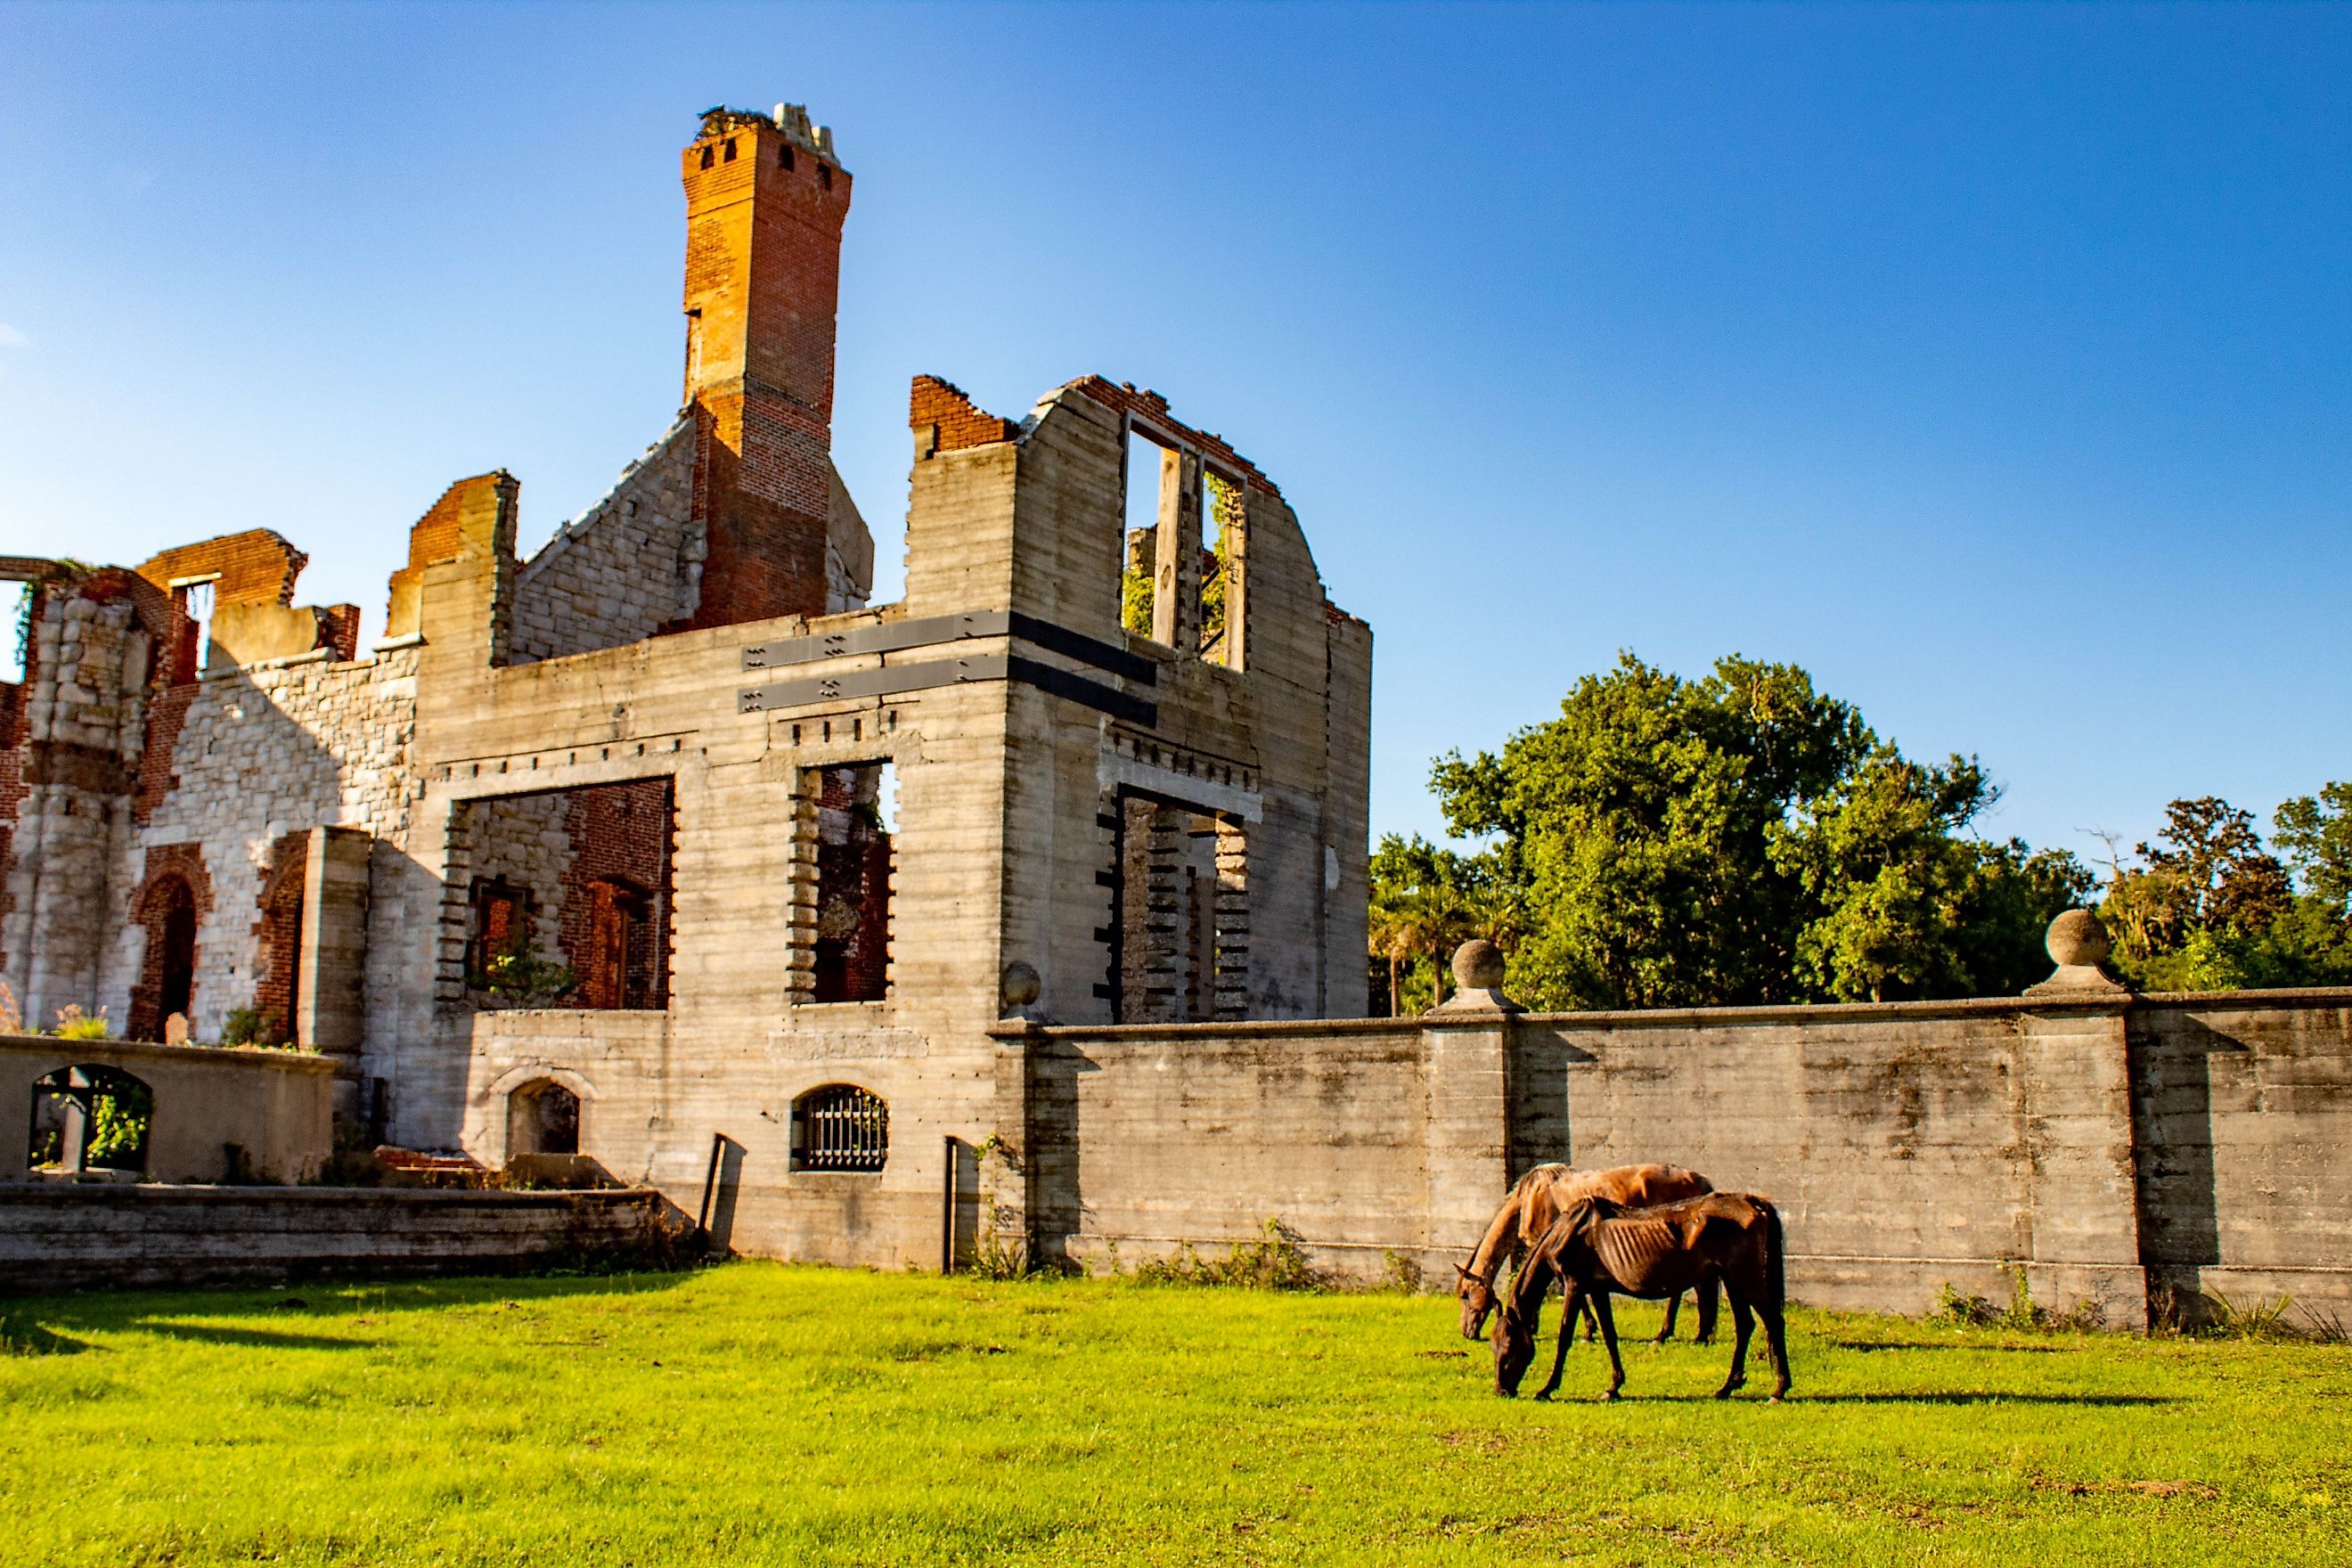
[1487, 1260]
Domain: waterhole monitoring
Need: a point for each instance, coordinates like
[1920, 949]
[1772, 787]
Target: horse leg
[1570, 1302]
[1609, 1337]
[1709, 1292]
[1667, 1333]
[1776, 1340]
[1592, 1323]
[1742, 1325]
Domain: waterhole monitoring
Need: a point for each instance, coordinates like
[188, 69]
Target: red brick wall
[276, 962]
[619, 831]
[961, 423]
[256, 567]
[165, 863]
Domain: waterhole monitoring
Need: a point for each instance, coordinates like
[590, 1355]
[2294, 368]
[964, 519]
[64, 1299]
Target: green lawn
[767, 1413]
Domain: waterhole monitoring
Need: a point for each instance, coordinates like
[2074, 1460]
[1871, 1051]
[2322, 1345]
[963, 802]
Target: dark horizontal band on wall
[892, 679]
[930, 631]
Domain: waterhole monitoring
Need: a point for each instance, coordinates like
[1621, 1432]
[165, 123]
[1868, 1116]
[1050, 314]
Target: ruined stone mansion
[1027, 912]
[663, 845]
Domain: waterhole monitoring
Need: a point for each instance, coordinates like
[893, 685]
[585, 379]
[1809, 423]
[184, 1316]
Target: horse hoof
[1608, 1396]
[1543, 1399]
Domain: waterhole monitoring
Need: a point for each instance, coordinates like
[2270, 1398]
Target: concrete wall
[59, 1238]
[274, 1104]
[2110, 1150]
[2242, 1109]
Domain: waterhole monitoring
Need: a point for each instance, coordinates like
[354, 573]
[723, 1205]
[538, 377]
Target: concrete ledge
[57, 1236]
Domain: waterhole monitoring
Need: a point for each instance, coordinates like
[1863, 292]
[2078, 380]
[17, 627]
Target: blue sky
[1994, 363]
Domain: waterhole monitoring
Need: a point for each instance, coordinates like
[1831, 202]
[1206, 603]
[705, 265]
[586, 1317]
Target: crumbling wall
[624, 569]
[256, 753]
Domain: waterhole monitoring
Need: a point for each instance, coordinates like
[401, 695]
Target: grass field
[766, 1414]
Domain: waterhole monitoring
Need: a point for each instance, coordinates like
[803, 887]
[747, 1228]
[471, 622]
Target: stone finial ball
[1019, 984]
[1478, 965]
[2077, 938]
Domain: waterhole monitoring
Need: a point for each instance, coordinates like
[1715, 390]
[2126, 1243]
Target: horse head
[1478, 1295]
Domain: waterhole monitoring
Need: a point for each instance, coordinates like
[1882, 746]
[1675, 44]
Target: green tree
[1744, 837]
[1426, 901]
[1909, 907]
[2204, 907]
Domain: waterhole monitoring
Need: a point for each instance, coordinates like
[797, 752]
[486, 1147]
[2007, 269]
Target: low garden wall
[274, 1108]
[2112, 1151]
[61, 1237]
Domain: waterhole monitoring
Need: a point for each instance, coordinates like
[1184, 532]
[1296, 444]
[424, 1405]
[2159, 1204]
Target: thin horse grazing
[1598, 1248]
[1537, 1199]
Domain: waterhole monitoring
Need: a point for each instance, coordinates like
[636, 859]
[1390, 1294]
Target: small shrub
[242, 1026]
[2020, 1314]
[12, 1016]
[517, 977]
[1400, 1273]
[73, 1024]
[1274, 1262]
[994, 1255]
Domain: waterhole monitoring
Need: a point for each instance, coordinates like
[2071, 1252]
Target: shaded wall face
[2242, 1115]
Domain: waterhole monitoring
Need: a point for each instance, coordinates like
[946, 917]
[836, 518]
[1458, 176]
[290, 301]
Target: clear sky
[1994, 363]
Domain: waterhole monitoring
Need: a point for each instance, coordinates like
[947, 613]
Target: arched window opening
[542, 1118]
[840, 1127]
[167, 981]
[90, 1118]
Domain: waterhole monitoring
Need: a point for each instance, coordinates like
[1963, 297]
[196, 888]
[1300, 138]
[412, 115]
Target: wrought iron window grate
[841, 1128]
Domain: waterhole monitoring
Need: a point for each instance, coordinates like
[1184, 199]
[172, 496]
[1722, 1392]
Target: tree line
[1744, 838]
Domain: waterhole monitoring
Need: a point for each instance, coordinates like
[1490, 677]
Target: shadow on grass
[28, 1338]
[258, 1339]
[1899, 1345]
[149, 1311]
[2090, 1400]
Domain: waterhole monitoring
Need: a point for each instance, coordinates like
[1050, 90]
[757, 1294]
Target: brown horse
[1597, 1249]
[1537, 1199]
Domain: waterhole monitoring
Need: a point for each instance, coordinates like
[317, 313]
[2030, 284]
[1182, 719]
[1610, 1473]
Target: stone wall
[261, 753]
[71, 1238]
[624, 569]
[273, 1105]
[2114, 1150]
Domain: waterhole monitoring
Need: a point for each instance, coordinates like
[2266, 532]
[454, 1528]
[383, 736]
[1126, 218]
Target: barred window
[840, 1127]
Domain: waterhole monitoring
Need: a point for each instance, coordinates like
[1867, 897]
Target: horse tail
[1776, 1273]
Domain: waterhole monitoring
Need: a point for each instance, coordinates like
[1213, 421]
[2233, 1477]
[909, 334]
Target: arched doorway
[90, 1118]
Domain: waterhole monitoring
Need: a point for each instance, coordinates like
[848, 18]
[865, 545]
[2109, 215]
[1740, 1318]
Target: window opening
[176, 969]
[1223, 520]
[1181, 938]
[501, 928]
[542, 1118]
[708, 157]
[90, 1118]
[16, 617]
[784, 157]
[571, 897]
[857, 813]
[824, 174]
[840, 1127]
[619, 969]
[1151, 475]
[195, 601]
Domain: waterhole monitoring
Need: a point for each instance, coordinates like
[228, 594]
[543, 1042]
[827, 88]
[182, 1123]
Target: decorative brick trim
[168, 866]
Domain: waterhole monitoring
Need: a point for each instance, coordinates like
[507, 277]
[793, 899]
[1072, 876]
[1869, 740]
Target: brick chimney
[765, 199]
